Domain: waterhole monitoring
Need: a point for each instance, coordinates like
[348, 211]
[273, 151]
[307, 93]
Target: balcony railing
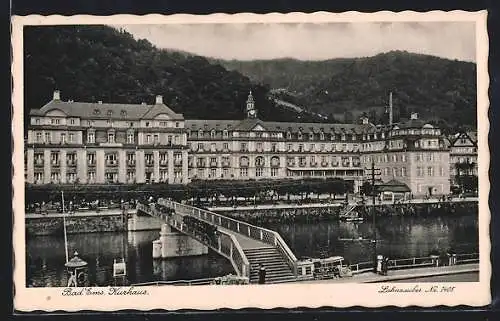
[163, 162]
[131, 162]
[111, 163]
[178, 162]
[55, 163]
[324, 164]
[150, 163]
[71, 162]
[39, 163]
[91, 162]
[225, 164]
[213, 164]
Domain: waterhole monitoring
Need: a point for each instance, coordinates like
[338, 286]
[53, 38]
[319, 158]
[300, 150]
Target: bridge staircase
[245, 245]
[277, 271]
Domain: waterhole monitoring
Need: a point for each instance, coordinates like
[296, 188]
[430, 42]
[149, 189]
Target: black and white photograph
[186, 156]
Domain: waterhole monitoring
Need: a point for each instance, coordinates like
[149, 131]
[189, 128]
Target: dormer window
[299, 135]
[97, 111]
[288, 135]
[123, 113]
[225, 134]
[322, 136]
[311, 136]
[212, 133]
[200, 133]
[110, 113]
[147, 124]
[342, 137]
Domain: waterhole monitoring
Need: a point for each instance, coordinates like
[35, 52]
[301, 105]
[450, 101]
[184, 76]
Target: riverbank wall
[89, 222]
[258, 216]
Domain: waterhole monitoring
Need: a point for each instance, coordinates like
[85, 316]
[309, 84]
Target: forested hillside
[438, 89]
[91, 63]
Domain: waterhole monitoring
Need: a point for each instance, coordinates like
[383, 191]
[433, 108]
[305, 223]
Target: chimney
[57, 95]
[143, 103]
[159, 99]
[99, 102]
[364, 120]
[414, 116]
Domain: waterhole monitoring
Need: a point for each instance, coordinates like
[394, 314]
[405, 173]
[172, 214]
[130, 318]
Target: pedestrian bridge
[245, 245]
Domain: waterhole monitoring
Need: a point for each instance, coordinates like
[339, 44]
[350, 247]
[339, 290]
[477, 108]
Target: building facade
[96, 143]
[463, 157]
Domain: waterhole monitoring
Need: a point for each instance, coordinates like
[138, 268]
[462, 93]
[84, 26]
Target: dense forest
[92, 63]
[440, 90]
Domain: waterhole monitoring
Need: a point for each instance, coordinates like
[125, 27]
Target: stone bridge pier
[175, 244]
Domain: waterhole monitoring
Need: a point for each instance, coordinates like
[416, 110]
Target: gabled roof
[105, 110]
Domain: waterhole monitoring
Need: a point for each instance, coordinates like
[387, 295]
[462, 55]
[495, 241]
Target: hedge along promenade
[198, 190]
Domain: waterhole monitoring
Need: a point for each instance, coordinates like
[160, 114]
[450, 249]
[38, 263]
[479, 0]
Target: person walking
[262, 274]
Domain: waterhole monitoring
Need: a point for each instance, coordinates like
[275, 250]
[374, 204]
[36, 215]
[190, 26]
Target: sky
[307, 41]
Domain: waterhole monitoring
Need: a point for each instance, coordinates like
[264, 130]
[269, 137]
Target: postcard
[250, 161]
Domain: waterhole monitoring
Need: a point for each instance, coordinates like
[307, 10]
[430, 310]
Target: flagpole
[64, 223]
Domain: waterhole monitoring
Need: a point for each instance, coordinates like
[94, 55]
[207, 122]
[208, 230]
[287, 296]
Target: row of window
[420, 157]
[109, 122]
[112, 177]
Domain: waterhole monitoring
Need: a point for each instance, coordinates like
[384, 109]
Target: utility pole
[374, 172]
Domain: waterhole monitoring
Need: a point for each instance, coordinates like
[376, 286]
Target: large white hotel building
[96, 143]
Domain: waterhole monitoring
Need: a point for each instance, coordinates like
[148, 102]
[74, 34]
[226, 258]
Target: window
[259, 147]
[420, 172]
[163, 175]
[312, 147]
[259, 171]
[403, 171]
[71, 137]
[301, 148]
[163, 124]
[225, 146]
[38, 137]
[47, 137]
[243, 172]
[225, 172]
[148, 139]
[55, 121]
[212, 134]
[259, 161]
[430, 171]
[395, 172]
[212, 147]
[213, 172]
[429, 157]
[90, 137]
[177, 124]
[111, 159]
[225, 134]
[37, 121]
[91, 158]
[243, 147]
[288, 135]
[200, 146]
[289, 147]
[72, 121]
[386, 171]
[200, 133]
[313, 160]
[111, 137]
[403, 158]
[149, 159]
[38, 177]
[130, 138]
[274, 148]
[156, 138]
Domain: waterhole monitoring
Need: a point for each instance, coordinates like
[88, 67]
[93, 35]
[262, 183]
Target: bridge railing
[252, 231]
[224, 243]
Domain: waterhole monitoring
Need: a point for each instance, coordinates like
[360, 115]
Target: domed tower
[251, 111]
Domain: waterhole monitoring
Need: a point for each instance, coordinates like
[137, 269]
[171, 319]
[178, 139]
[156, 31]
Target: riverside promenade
[405, 275]
[337, 203]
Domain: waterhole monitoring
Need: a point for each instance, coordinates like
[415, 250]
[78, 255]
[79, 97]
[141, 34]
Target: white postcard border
[259, 296]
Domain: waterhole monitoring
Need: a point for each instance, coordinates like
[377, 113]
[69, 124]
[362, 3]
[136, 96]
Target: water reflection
[398, 237]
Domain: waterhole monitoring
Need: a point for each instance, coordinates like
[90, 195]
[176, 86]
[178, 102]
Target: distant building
[96, 143]
[463, 156]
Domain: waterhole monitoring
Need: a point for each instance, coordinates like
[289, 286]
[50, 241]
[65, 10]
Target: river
[397, 237]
